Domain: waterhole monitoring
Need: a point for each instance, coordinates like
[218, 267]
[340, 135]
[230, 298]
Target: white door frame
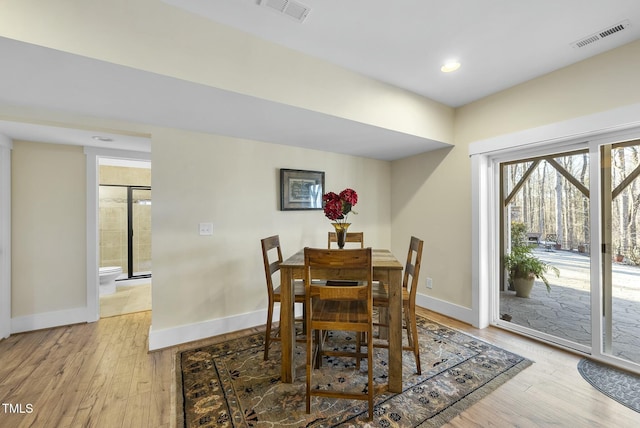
[6, 145]
[92, 156]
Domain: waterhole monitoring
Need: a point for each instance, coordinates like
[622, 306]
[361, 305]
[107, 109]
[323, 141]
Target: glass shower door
[140, 232]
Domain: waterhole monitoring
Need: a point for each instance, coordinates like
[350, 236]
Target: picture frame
[300, 189]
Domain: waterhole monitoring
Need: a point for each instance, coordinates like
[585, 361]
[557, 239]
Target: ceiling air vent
[601, 34]
[292, 9]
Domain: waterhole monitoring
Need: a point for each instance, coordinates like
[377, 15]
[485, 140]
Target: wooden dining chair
[272, 257]
[342, 308]
[351, 237]
[409, 289]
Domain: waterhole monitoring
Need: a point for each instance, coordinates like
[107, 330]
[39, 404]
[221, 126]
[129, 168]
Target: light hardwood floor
[126, 300]
[101, 375]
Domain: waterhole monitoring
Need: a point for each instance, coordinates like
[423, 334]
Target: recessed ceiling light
[450, 66]
[100, 138]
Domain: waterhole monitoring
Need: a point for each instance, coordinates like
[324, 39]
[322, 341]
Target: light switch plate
[206, 229]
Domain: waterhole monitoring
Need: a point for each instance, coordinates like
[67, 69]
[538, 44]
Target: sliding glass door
[621, 244]
[576, 213]
[545, 218]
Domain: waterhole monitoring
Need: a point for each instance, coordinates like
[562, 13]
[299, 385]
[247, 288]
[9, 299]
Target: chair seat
[347, 311]
[380, 293]
[298, 289]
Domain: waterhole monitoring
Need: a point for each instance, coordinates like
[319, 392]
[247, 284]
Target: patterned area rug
[622, 386]
[230, 385]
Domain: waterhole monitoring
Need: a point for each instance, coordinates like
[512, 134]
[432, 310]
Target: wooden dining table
[387, 269]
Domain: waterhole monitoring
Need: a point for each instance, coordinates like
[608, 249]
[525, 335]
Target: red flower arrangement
[338, 206]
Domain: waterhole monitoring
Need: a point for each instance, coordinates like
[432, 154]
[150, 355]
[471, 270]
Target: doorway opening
[124, 236]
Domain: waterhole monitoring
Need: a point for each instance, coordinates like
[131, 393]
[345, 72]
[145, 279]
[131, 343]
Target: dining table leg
[287, 328]
[395, 331]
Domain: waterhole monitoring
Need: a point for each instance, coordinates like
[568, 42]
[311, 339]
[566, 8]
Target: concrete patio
[565, 311]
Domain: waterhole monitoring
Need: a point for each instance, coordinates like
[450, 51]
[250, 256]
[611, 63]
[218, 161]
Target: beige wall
[234, 184]
[432, 192]
[141, 34]
[196, 178]
[48, 228]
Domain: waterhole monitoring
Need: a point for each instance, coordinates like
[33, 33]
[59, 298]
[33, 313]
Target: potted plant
[524, 268]
[619, 258]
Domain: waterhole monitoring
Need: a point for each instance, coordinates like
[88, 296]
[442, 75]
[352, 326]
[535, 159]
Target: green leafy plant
[521, 263]
[518, 234]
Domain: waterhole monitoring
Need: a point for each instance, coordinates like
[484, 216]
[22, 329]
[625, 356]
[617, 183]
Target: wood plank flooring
[101, 375]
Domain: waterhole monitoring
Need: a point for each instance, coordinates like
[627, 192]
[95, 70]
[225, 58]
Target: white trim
[159, 339]
[595, 278]
[6, 142]
[92, 158]
[480, 293]
[616, 120]
[48, 320]
[164, 338]
[6, 145]
[446, 308]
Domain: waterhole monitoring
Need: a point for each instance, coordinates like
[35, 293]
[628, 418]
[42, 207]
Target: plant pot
[523, 286]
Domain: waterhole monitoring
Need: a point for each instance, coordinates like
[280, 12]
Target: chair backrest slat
[343, 265]
[271, 266]
[412, 268]
[350, 237]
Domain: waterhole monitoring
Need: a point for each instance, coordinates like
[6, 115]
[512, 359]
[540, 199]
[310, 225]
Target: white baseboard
[165, 338]
[48, 320]
[445, 308]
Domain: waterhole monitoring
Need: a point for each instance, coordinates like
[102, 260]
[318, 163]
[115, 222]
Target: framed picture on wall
[301, 190]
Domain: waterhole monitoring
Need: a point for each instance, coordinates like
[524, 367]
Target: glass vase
[341, 233]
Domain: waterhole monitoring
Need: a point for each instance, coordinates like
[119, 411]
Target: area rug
[622, 386]
[230, 385]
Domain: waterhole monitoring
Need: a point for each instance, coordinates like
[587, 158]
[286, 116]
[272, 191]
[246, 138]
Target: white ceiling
[500, 43]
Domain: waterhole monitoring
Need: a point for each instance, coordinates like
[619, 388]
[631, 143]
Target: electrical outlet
[429, 282]
[206, 229]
